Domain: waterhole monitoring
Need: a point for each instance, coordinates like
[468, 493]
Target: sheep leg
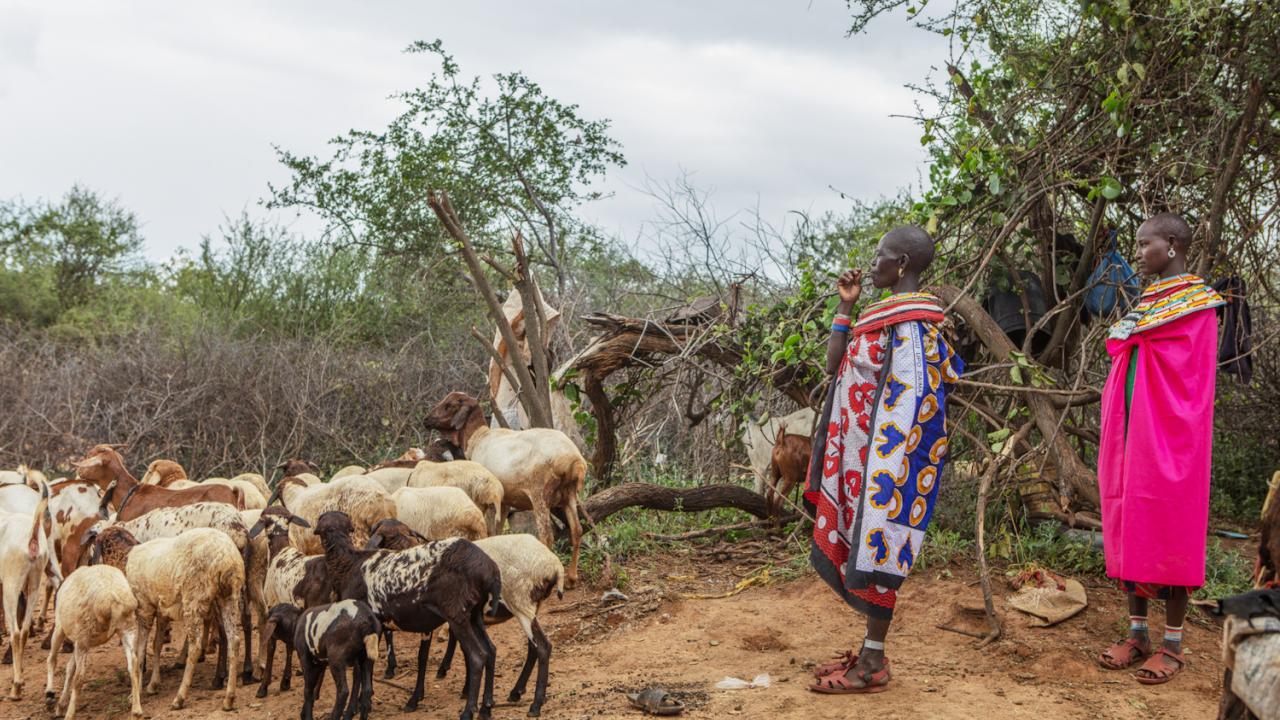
[233, 645]
[268, 654]
[391, 654]
[246, 632]
[12, 609]
[67, 682]
[473, 651]
[447, 660]
[366, 688]
[51, 667]
[419, 687]
[220, 668]
[132, 658]
[490, 657]
[286, 680]
[543, 647]
[357, 685]
[80, 656]
[194, 627]
[311, 672]
[144, 627]
[575, 539]
[342, 692]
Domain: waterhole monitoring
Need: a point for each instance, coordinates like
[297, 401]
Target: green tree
[65, 252]
[509, 156]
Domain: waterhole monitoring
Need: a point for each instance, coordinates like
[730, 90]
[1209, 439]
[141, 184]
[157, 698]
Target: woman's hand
[849, 286]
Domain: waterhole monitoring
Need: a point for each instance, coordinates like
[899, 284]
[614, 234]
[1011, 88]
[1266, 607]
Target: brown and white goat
[540, 468]
[788, 463]
[103, 466]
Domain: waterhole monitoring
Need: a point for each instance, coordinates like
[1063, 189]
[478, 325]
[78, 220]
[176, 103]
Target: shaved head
[912, 241]
[1171, 227]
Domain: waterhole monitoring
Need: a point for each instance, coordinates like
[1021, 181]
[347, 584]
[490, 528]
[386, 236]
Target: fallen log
[659, 497]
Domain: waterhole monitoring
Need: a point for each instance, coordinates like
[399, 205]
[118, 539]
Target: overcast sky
[173, 108]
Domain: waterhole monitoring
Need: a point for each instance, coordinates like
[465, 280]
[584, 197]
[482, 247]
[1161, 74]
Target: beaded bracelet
[840, 324]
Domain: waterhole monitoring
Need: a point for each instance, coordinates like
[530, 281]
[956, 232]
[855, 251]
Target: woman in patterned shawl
[1156, 440]
[879, 448]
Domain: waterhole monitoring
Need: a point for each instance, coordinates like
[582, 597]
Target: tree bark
[659, 497]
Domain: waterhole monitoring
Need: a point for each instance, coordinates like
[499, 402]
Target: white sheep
[539, 468]
[167, 522]
[362, 498]
[482, 486]
[258, 481]
[24, 559]
[254, 499]
[255, 575]
[439, 512]
[347, 472]
[188, 578]
[94, 604]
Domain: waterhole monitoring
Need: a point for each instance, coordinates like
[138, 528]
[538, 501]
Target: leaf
[993, 184]
[1015, 373]
[1110, 188]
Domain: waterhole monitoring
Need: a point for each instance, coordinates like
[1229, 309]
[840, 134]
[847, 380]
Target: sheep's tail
[495, 593]
[238, 495]
[371, 645]
[560, 582]
[37, 523]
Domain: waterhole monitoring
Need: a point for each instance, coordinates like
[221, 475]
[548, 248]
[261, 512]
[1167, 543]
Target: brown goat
[787, 467]
[104, 467]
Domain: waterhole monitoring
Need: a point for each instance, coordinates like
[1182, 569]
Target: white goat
[24, 557]
[540, 469]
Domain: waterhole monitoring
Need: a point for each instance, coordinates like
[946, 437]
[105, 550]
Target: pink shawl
[1154, 476]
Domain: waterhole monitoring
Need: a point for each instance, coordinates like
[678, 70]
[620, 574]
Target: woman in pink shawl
[1154, 456]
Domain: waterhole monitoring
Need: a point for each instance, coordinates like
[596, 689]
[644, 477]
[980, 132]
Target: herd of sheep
[325, 570]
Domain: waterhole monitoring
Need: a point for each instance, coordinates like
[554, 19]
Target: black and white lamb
[340, 635]
[418, 590]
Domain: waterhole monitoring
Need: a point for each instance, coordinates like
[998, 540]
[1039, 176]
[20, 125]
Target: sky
[174, 109]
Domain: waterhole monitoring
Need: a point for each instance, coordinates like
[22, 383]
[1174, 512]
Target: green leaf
[993, 184]
[1110, 188]
[1015, 373]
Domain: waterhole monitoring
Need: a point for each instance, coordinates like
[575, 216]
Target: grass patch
[1227, 572]
[943, 547]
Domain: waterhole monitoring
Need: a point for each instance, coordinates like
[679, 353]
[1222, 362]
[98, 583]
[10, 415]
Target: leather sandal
[838, 683]
[1159, 672]
[841, 663]
[1123, 655]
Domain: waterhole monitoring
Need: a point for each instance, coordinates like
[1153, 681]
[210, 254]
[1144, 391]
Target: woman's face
[1153, 252]
[885, 265]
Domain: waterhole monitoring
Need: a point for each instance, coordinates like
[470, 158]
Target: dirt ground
[659, 636]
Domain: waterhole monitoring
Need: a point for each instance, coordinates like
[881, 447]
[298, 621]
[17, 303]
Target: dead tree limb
[534, 396]
[994, 629]
[659, 497]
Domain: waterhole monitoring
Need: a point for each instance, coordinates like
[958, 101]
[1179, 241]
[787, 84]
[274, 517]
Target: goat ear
[295, 520]
[375, 542]
[256, 529]
[460, 417]
[94, 461]
[88, 537]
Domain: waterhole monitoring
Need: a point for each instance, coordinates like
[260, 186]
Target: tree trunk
[1081, 481]
[659, 497]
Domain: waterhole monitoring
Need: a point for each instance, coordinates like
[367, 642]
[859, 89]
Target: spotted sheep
[530, 574]
[418, 590]
[341, 635]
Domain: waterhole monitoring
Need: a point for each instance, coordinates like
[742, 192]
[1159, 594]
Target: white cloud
[174, 107]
